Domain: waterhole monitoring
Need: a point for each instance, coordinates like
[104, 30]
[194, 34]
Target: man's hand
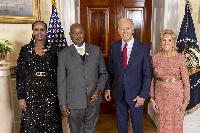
[95, 95]
[140, 101]
[64, 110]
[107, 95]
[22, 104]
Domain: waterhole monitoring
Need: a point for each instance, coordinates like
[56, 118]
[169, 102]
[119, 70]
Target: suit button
[86, 88]
[85, 77]
[124, 74]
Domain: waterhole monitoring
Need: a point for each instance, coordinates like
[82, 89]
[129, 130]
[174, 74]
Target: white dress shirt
[77, 48]
[129, 48]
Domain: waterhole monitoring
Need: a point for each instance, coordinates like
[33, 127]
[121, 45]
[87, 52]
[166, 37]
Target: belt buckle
[40, 74]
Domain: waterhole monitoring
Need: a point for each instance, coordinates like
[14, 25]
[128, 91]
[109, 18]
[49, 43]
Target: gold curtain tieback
[169, 80]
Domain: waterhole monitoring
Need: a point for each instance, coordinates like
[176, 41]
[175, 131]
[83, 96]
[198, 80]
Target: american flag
[188, 45]
[55, 32]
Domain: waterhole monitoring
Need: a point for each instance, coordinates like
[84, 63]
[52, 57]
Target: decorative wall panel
[98, 24]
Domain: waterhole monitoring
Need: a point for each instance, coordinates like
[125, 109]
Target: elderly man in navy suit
[130, 72]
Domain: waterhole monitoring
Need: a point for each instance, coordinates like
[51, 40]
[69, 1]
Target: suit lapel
[87, 52]
[133, 53]
[119, 51]
[75, 53]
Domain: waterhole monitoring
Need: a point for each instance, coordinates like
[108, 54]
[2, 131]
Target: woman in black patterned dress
[37, 85]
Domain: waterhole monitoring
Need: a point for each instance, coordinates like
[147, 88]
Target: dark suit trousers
[84, 120]
[136, 114]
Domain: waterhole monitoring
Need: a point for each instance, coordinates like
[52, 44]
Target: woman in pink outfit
[170, 89]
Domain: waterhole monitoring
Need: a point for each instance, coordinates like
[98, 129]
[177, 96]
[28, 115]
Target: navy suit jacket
[136, 79]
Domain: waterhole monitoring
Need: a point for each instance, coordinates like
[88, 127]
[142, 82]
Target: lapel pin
[86, 53]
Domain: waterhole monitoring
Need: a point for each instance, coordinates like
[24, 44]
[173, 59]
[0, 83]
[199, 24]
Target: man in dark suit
[81, 78]
[130, 72]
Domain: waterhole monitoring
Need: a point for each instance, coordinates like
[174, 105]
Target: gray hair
[126, 19]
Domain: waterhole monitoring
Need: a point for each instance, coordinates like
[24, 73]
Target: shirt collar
[130, 43]
[77, 48]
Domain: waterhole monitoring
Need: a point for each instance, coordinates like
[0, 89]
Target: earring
[33, 36]
[161, 48]
[174, 48]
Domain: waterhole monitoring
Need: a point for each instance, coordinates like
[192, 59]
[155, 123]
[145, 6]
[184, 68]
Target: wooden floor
[107, 123]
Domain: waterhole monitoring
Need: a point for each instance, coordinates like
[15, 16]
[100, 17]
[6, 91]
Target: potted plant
[5, 46]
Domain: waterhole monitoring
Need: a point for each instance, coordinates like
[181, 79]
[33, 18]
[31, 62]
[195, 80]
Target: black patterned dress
[37, 83]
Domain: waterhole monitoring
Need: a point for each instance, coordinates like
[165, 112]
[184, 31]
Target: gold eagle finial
[54, 2]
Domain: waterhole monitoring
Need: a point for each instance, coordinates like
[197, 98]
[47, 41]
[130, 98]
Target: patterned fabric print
[170, 95]
[40, 93]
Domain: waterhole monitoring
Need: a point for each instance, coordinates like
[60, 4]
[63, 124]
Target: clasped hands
[140, 101]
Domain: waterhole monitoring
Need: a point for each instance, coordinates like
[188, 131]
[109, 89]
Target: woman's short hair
[169, 32]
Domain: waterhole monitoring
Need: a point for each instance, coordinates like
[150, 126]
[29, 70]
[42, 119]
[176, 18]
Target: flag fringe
[193, 70]
[192, 110]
